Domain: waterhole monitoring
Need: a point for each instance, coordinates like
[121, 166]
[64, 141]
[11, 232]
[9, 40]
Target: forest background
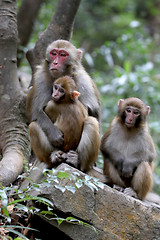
[121, 45]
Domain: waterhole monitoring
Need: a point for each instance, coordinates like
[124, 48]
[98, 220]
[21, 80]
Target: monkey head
[132, 112]
[64, 90]
[62, 56]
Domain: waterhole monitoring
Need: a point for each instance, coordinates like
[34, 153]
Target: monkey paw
[130, 192]
[58, 157]
[72, 159]
[118, 188]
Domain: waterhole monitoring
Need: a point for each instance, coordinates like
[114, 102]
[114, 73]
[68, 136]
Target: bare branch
[60, 27]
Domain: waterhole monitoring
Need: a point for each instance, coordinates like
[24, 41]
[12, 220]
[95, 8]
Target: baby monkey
[128, 149]
[68, 115]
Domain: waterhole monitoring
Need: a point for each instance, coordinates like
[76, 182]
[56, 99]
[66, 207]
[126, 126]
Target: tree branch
[26, 17]
[60, 27]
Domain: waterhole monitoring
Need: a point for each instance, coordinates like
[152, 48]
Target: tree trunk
[14, 137]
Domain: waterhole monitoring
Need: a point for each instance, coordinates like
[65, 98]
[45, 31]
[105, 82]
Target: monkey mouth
[129, 125]
[54, 69]
[56, 99]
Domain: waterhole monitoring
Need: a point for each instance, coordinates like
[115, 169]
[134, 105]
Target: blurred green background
[121, 44]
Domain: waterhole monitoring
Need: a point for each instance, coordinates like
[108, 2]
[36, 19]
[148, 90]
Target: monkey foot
[118, 188]
[130, 192]
[72, 159]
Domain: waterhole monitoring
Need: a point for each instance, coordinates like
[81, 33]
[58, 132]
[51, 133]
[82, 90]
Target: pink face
[59, 58]
[58, 92]
[132, 113]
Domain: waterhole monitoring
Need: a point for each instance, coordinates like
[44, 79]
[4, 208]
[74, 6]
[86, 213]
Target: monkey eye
[128, 110]
[136, 112]
[61, 90]
[55, 87]
[63, 53]
[53, 53]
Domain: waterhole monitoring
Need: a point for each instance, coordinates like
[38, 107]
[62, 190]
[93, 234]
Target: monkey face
[58, 62]
[62, 57]
[131, 116]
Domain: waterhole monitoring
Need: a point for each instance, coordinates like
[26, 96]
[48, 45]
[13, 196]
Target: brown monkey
[128, 149]
[68, 114]
[62, 58]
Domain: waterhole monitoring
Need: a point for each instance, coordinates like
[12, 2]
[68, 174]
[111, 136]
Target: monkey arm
[55, 136]
[89, 95]
[37, 100]
[110, 153]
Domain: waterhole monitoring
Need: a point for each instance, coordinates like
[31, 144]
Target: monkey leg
[89, 144]
[39, 143]
[142, 180]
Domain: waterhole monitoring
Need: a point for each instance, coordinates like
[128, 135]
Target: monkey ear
[148, 109]
[79, 54]
[75, 94]
[120, 102]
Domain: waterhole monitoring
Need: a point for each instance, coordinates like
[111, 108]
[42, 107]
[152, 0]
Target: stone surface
[113, 214]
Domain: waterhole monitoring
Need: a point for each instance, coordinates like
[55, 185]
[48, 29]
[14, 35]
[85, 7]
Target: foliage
[56, 176]
[14, 202]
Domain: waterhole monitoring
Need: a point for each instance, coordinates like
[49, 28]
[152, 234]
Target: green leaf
[60, 220]
[71, 189]
[40, 199]
[4, 198]
[79, 184]
[63, 175]
[47, 212]
[61, 188]
[100, 185]
[91, 186]
[127, 67]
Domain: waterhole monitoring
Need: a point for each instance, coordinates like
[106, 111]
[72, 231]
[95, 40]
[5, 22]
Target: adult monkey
[63, 58]
[128, 149]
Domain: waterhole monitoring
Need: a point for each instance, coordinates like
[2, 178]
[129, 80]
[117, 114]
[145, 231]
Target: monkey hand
[58, 157]
[72, 158]
[118, 164]
[56, 137]
[128, 169]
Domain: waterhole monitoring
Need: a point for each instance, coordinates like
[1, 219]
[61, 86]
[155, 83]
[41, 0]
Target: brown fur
[131, 150]
[40, 94]
[68, 116]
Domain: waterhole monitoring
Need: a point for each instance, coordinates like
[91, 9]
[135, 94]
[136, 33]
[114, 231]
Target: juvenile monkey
[68, 114]
[63, 58]
[128, 149]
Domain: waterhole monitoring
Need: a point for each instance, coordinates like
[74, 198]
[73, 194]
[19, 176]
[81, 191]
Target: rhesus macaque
[68, 114]
[62, 58]
[128, 149]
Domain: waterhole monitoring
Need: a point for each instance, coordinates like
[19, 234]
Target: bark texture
[14, 139]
